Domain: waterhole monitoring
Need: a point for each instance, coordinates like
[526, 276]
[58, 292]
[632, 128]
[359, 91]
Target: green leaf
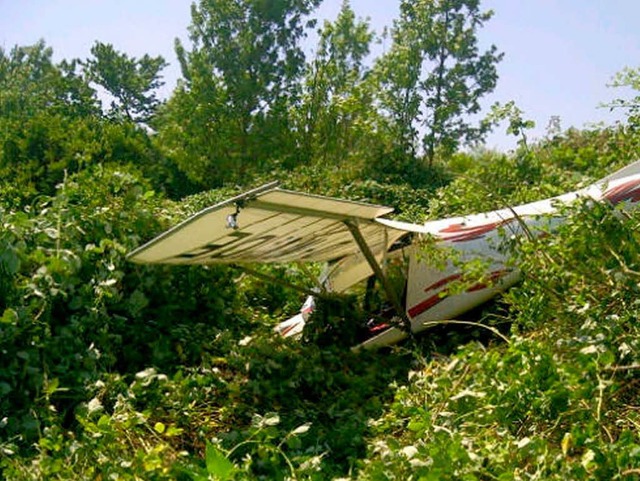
[218, 465]
[104, 421]
[52, 386]
[173, 431]
[416, 425]
[9, 316]
[9, 261]
[159, 427]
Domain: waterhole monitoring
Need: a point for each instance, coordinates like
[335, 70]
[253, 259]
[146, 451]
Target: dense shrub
[559, 401]
[74, 308]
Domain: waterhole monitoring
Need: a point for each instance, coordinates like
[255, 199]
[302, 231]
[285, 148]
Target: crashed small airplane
[356, 241]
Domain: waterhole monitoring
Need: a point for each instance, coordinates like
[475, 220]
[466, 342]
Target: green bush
[557, 402]
[74, 308]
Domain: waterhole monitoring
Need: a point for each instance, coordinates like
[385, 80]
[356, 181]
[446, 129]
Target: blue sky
[559, 54]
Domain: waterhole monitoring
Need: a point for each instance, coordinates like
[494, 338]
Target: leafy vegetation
[129, 81]
[434, 74]
[112, 370]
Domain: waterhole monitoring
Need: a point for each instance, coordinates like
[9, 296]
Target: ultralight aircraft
[357, 241]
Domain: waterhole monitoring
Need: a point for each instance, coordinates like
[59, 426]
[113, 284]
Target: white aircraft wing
[271, 225]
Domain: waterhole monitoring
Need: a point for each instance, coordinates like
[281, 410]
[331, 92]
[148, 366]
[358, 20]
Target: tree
[337, 111]
[628, 78]
[131, 82]
[434, 75]
[240, 77]
[45, 109]
[31, 82]
[51, 125]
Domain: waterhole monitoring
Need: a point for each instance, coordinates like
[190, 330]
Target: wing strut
[391, 294]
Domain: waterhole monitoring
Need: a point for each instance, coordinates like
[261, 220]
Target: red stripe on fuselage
[630, 190]
[425, 305]
[493, 277]
[287, 329]
[442, 282]
[437, 298]
[462, 233]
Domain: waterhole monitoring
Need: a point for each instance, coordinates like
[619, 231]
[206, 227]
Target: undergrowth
[116, 371]
[559, 401]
